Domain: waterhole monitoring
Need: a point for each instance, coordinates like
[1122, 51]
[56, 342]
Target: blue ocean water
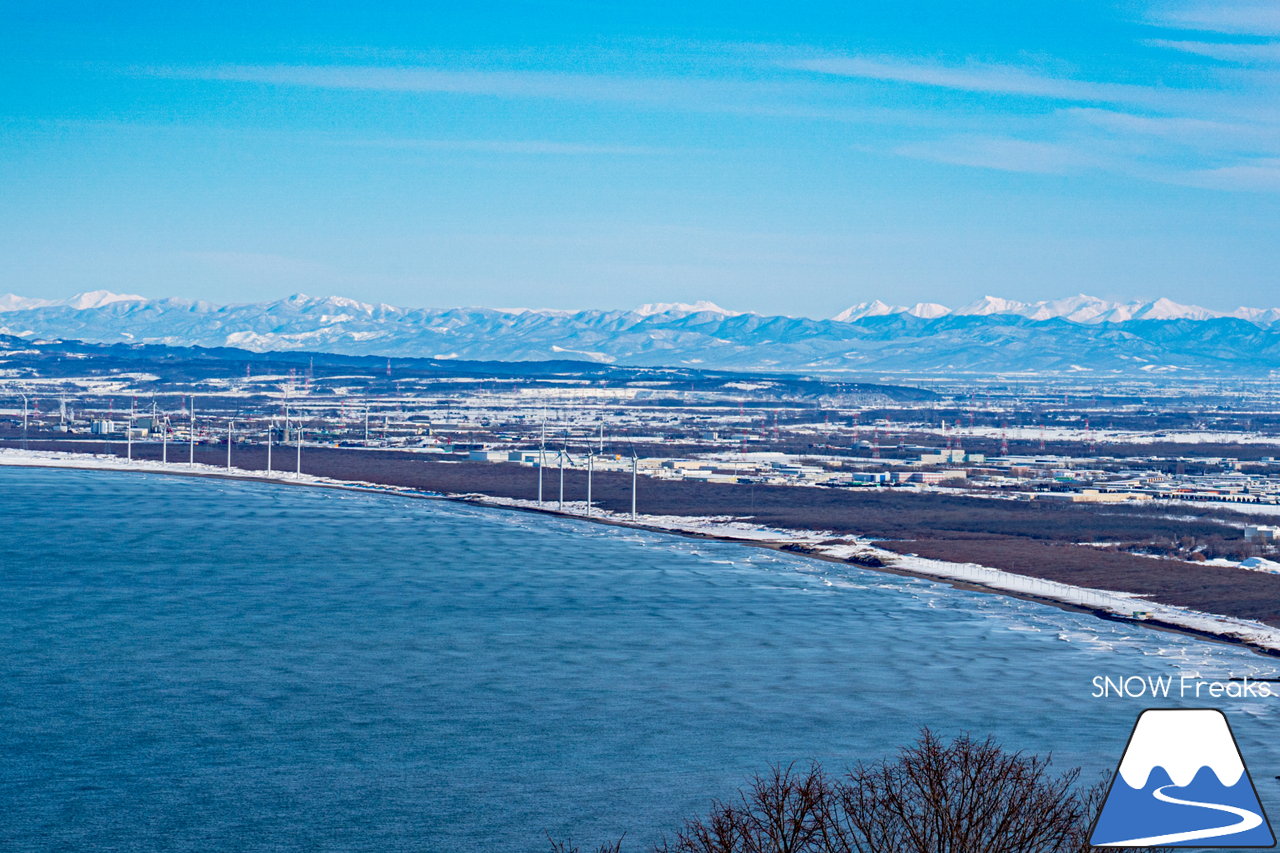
[211, 665]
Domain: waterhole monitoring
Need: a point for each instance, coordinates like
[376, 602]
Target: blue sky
[769, 158]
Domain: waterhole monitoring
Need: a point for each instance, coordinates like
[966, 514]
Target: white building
[1261, 533]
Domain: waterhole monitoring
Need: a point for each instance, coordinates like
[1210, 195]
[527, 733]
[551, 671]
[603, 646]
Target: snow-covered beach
[821, 545]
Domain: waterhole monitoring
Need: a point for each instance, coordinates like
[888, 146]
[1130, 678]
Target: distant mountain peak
[80, 302]
[1167, 309]
[98, 298]
[13, 302]
[1080, 308]
[988, 305]
[650, 309]
[928, 310]
[874, 308]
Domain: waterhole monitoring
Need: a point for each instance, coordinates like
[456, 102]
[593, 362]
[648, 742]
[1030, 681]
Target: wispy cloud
[1184, 130]
[1239, 17]
[511, 146]
[705, 89]
[1240, 53]
[1259, 175]
[1039, 119]
[502, 84]
[1158, 148]
[1001, 153]
[974, 77]
[1224, 119]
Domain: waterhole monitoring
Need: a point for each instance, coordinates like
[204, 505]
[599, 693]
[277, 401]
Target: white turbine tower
[635, 467]
[564, 453]
[591, 467]
[542, 452]
[128, 432]
[191, 434]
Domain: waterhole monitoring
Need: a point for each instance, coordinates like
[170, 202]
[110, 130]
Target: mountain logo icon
[1182, 783]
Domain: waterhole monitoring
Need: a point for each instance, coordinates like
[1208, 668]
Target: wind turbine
[591, 467]
[635, 467]
[564, 453]
[230, 421]
[24, 420]
[542, 452]
[271, 427]
[191, 434]
[128, 431]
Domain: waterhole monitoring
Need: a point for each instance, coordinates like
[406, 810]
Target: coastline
[1104, 604]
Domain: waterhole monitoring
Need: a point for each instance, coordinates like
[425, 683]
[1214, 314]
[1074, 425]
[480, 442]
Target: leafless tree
[782, 812]
[935, 796]
[966, 796]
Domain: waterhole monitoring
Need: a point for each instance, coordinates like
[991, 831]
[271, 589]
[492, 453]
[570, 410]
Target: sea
[200, 664]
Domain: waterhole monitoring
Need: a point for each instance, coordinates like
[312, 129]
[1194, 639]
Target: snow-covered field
[827, 544]
[1242, 508]
[1105, 436]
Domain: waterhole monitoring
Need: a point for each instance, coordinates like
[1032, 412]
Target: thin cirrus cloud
[1258, 175]
[1240, 53]
[1250, 17]
[534, 147]
[1183, 130]
[1073, 125]
[1164, 149]
[1219, 138]
[502, 84]
[1001, 153]
[974, 77]
[788, 98]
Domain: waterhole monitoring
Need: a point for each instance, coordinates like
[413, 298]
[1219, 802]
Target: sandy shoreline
[1105, 604]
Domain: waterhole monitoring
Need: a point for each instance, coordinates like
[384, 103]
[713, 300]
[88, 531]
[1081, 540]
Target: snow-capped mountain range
[80, 302]
[1077, 309]
[1075, 334]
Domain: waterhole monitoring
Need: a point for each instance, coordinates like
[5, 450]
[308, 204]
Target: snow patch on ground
[1242, 508]
[1259, 564]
